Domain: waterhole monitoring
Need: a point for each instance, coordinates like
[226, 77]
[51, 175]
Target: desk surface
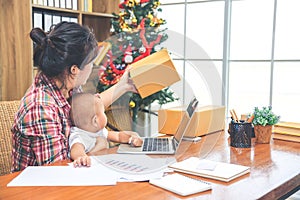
[275, 171]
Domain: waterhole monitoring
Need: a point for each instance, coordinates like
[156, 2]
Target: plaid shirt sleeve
[42, 137]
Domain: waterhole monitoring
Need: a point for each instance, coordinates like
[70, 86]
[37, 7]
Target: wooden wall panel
[16, 65]
[15, 48]
[105, 6]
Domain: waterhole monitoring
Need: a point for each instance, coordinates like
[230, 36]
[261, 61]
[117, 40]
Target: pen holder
[240, 134]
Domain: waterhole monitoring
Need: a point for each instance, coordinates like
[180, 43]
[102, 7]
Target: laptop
[163, 145]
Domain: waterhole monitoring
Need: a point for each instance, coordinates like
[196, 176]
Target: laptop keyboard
[156, 144]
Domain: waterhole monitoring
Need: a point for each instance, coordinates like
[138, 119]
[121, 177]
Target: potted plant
[263, 121]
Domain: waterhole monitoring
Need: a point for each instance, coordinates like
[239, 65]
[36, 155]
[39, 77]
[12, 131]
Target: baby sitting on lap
[89, 134]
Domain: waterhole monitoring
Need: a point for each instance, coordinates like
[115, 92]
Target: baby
[89, 133]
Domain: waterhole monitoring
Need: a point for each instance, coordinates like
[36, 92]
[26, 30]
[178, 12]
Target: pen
[233, 116]
[236, 117]
[250, 119]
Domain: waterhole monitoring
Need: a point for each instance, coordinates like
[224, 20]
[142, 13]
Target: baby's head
[87, 112]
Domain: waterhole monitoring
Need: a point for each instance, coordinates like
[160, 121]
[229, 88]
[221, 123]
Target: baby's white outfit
[87, 139]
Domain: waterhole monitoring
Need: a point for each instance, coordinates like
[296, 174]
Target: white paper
[134, 164]
[134, 167]
[125, 177]
[64, 176]
[181, 184]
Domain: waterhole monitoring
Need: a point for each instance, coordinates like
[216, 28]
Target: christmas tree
[135, 34]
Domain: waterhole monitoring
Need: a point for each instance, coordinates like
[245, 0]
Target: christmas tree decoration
[135, 34]
[128, 55]
[142, 50]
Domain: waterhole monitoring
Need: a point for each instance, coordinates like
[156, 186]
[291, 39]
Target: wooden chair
[7, 112]
[118, 118]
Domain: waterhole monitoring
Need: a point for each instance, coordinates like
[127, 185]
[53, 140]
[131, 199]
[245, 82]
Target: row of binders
[87, 5]
[66, 4]
[45, 20]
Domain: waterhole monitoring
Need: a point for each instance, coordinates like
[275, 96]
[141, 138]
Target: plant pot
[263, 134]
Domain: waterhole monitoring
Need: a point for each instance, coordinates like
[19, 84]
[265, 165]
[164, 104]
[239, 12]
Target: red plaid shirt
[42, 126]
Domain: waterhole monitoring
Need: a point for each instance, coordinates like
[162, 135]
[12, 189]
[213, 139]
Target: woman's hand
[126, 83]
[82, 161]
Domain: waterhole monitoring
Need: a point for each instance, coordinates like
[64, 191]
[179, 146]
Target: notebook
[181, 184]
[165, 145]
[210, 169]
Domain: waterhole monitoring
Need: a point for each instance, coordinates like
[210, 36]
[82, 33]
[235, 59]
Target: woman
[65, 58]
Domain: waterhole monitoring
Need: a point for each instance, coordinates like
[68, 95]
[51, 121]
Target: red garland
[115, 73]
[144, 1]
[122, 5]
[145, 43]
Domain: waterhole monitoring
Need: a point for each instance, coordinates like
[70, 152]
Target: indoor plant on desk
[263, 121]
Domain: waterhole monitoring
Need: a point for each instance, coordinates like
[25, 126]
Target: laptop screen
[185, 119]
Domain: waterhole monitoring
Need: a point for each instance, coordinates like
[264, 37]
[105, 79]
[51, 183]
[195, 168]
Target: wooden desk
[274, 173]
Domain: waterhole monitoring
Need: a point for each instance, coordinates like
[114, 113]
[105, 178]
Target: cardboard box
[153, 73]
[207, 119]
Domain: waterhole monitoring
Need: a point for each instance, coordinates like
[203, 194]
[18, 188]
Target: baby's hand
[82, 161]
[135, 141]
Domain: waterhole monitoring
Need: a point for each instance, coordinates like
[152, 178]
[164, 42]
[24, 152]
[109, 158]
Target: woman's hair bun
[66, 44]
[38, 36]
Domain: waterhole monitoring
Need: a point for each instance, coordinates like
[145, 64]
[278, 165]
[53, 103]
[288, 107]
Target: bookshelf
[19, 17]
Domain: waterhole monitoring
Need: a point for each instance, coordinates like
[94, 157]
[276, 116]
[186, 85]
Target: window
[204, 27]
[264, 58]
[287, 40]
[251, 30]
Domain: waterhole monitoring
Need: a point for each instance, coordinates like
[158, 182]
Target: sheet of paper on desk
[64, 176]
[135, 167]
[134, 164]
[123, 177]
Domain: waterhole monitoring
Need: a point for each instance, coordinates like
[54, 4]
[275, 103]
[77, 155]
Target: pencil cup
[240, 134]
